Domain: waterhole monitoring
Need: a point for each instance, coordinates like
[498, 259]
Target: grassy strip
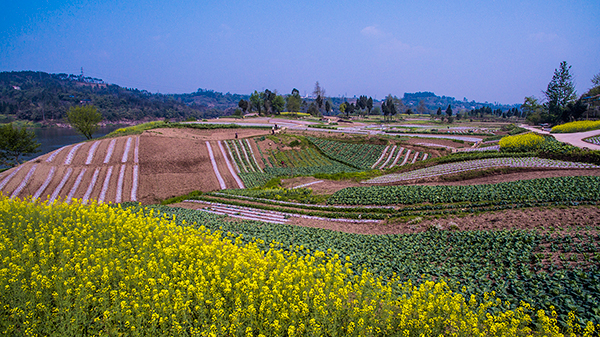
[138, 129]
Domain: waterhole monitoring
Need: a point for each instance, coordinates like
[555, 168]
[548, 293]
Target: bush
[522, 143]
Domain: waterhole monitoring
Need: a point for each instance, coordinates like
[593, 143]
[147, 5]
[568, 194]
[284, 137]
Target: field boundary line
[405, 158]
[389, 157]
[398, 155]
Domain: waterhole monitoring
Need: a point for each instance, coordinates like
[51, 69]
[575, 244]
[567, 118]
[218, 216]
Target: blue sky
[495, 51]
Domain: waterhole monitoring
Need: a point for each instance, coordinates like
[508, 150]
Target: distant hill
[39, 96]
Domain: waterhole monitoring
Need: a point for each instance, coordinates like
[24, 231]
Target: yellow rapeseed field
[578, 126]
[523, 142]
[101, 270]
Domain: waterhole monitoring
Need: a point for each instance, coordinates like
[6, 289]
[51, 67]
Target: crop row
[546, 189]
[361, 156]
[593, 140]
[501, 263]
[457, 167]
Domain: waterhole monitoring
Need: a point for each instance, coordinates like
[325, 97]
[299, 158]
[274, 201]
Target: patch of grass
[181, 198]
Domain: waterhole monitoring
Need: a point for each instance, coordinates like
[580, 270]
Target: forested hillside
[39, 96]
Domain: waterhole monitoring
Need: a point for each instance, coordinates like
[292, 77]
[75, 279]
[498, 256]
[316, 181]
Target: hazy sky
[496, 51]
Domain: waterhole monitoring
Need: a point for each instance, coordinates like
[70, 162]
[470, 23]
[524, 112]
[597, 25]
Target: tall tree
[278, 104]
[327, 106]
[243, 104]
[15, 143]
[421, 108]
[294, 101]
[369, 105]
[256, 101]
[342, 107]
[560, 91]
[596, 80]
[319, 94]
[449, 111]
[84, 119]
[439, 112]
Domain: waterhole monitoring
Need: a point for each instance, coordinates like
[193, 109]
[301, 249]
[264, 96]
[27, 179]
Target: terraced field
[532, 240]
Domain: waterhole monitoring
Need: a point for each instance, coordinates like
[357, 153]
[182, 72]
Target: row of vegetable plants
[583, 188]
[456, 167]
[360, 156]
[479, 263]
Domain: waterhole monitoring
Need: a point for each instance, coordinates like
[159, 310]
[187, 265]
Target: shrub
[522, 143]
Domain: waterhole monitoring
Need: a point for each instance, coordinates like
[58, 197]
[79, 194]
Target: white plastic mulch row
[76, 185]
[60, 185]
[245, 154]
[308, 184]
[45, 184]
[415, 157]
[214, 165]
[253, 156]
[434, 145]
[88, 192]
[134, 188]
[126, 152]
[397, 157]
[109, 152]
[237, 168]
[8, 177]
[23, 182]
[405, 158]
[71, 154]
[475, 149]
[295, 203]
[119, 196]
[389, 157]
[380, 157]
[242, 212]
[54, 154]
[136, 151]
[235, 148]
[105, 185]
[91, 152]
[254, 212]
[453, 168]
[229, 167]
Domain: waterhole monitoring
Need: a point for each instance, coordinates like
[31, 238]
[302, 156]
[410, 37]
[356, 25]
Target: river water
[52, 138]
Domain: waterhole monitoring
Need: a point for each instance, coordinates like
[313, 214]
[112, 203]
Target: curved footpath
[575, 139]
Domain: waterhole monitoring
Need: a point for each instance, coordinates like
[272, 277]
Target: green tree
[342, 107]
[319, 94]
[256, 101]
[327, 106]
[439, 112]
[15, 143]
[278, 104]
[596, 80]
[560, 92]
[84, 119]
[243, 104]
[294, 101]
[421, 108]
[449, 111]
[369, 105]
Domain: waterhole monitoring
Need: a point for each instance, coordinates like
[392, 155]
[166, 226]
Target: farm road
[575, 139]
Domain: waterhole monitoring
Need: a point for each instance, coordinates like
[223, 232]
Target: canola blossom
[578, 126]
[103, 270]
[521, 143]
